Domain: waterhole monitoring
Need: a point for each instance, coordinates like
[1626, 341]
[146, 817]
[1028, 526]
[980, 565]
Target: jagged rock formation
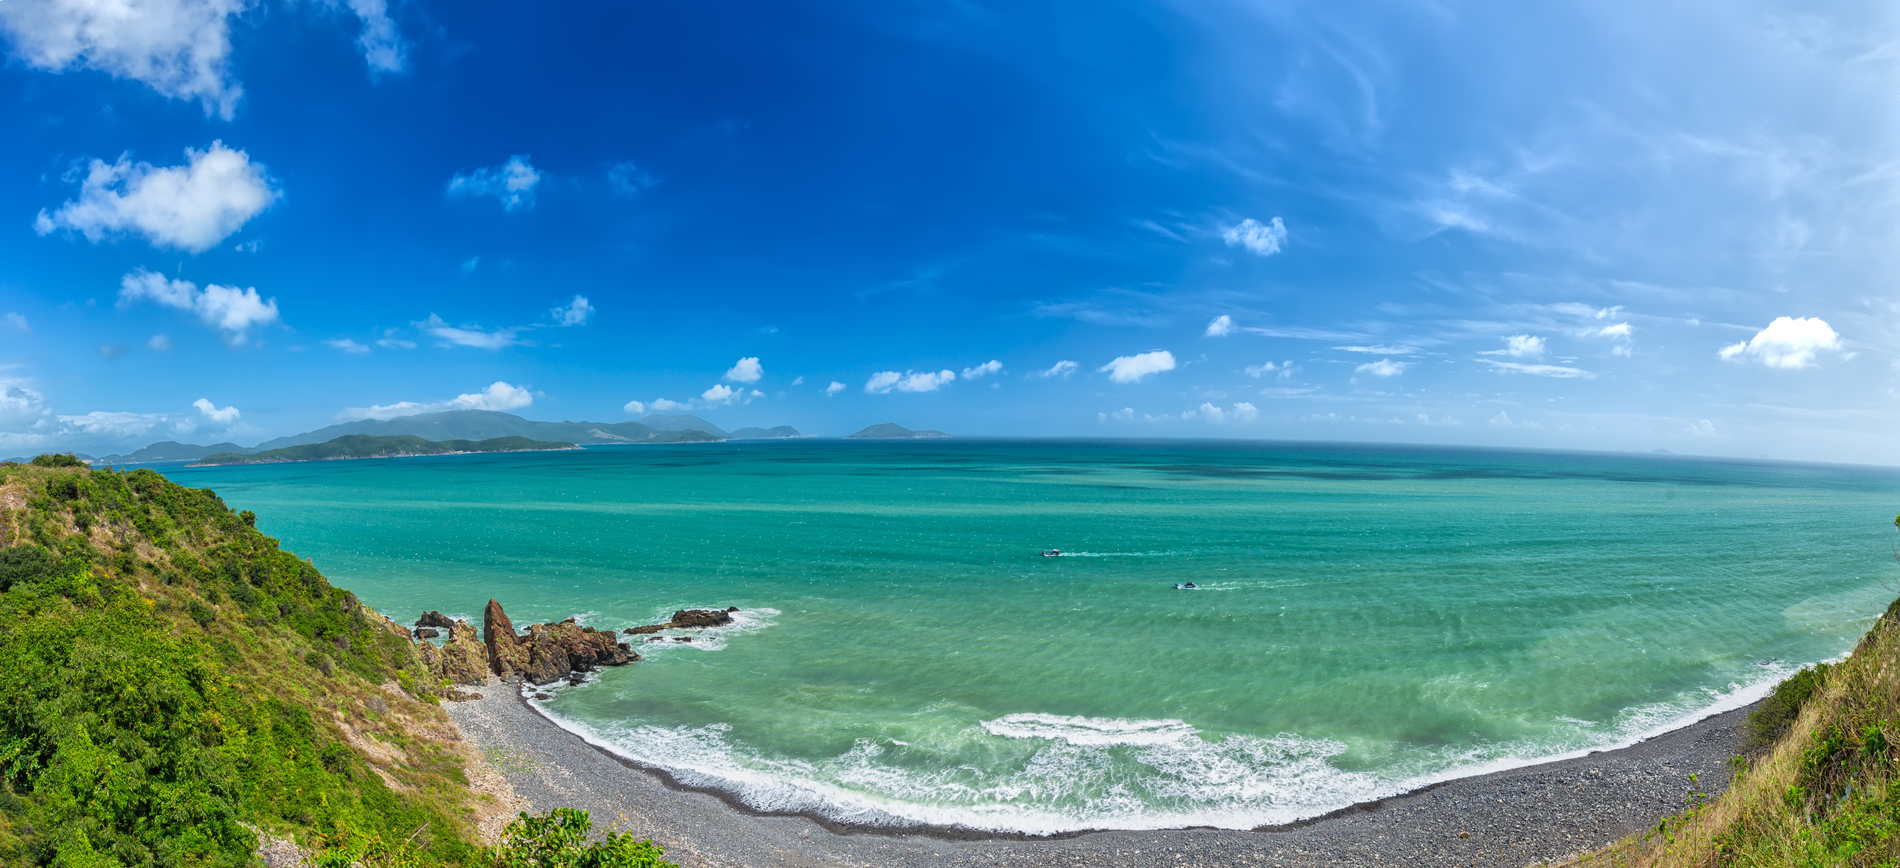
[434, 619]
[461, 660]
[550, 652]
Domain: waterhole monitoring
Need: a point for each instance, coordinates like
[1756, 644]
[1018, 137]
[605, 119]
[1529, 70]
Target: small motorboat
[1052, 553]
[1185, 586]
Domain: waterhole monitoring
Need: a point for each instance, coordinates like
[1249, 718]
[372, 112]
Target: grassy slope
[373, 446]
[1824, 791]
[170, 679]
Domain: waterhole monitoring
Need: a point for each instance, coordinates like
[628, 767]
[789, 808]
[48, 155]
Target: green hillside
[175, 684]
[174, 679]
[368, 446]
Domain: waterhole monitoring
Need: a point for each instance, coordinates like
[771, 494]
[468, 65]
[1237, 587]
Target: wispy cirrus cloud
[1561, 372]
[469, 334]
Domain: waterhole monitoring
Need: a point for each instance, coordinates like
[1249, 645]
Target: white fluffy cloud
[1060, 369]
[382, 44]
[190, 207]
[115, 426]
[1129, 369]
[662, 405]
[1521, 346]
[834, 388]
[1220, 327]
[1240, 412]
[1264, 239]
[226, 308]
[177, 47]
[983, 370]
[221, 416]
[498, 396]
[720, 393]
[1788, 342]
[347, 345]
[512, 183]
[637, 408]
[574, 313]
[20, 406]
[746, 370]
[1383, 368]
[883, 382]
[468, 335]
[1282, 371]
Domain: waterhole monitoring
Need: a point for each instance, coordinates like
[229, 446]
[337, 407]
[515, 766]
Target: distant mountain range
[489, 424]
[371, 446]
[471, 425]
[479, 425]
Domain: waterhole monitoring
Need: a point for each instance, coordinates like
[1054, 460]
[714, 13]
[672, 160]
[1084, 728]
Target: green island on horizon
[357, 446]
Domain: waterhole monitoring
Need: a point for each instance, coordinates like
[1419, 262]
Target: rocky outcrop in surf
[687, 619]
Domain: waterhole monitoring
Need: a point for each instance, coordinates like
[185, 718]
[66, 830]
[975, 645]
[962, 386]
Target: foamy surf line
[779, 789]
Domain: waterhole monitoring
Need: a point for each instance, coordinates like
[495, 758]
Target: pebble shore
[1507, 819]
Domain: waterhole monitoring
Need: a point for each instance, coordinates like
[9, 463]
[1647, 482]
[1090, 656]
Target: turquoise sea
[1368, 619]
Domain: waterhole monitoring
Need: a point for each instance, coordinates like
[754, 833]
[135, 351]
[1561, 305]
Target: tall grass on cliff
[1823, 788]
[171, 683]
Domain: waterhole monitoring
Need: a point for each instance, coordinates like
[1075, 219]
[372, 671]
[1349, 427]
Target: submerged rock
[688, 619]
[702, 617]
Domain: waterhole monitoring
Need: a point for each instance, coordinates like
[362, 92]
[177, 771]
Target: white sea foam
[1231, 782]
[1074, 773]
[1115, 554]
[744, 621]
[1089, 730]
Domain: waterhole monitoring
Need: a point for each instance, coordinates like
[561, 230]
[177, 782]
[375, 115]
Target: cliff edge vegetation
[1821, 788]
[174, 686]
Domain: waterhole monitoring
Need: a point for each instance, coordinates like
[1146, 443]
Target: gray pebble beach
[1523, 816]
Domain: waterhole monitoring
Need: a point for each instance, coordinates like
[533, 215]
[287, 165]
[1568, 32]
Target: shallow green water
[1369, 619]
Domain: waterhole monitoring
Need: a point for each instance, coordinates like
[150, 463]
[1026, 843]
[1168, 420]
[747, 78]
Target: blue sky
[1575, 225]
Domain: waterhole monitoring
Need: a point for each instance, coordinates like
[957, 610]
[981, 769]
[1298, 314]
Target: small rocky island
[545, 654]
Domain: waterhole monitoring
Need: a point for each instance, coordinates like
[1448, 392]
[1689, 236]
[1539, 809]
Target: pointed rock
[506, 656]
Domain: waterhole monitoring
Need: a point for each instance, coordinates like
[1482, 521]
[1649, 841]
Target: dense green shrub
[1780, 708]
[151, 707]
[558, 839]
